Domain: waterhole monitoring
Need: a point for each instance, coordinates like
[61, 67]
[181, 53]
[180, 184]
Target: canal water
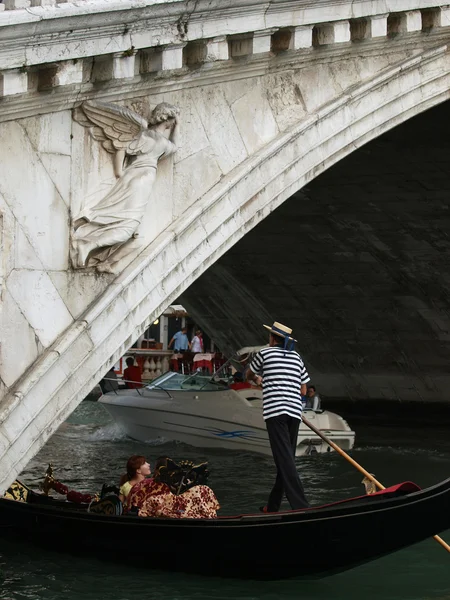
[90, 449]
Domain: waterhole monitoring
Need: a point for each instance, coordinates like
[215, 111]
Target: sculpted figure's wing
[114, 126]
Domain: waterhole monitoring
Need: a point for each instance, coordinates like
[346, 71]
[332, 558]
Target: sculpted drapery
[102, 232]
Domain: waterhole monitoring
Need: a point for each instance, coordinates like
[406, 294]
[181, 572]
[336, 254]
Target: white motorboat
[205, 412]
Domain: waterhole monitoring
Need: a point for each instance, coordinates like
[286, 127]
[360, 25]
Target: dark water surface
[89, 449]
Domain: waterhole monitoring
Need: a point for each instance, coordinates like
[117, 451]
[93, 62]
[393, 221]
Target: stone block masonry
[160, 37]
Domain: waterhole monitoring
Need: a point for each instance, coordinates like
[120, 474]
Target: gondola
[310, 543]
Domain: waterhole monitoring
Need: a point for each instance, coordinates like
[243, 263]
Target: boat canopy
[250, 349]
[238, 362]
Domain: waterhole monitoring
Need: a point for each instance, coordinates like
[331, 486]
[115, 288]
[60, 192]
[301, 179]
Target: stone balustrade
[152, 363]
[36, 67]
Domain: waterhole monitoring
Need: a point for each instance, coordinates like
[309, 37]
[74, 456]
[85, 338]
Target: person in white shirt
[197, 342]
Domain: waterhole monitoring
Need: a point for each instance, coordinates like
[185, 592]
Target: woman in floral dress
[155, 498]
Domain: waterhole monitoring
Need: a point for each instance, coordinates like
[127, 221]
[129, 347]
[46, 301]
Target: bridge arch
[61, 377]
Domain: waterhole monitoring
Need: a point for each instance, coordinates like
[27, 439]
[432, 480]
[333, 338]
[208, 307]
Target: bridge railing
[47, 43]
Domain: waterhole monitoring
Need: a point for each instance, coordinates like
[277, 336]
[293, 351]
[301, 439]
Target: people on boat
[239, 383]
[132, 375]
[109, 383]
[180, 341]
[312, 399]
[197, 342]
[169, 495]
[137, 470]
[283, 376]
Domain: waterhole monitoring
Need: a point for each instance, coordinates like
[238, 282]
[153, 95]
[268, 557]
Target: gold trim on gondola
[17, 491]
[371, 488]
[46, 485]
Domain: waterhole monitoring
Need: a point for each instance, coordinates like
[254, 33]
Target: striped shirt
[283, 373]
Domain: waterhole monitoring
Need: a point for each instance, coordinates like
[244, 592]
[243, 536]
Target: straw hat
[280, 330]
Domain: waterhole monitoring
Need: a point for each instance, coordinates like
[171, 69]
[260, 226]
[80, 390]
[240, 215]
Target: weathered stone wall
[51, 169]
[358, 264]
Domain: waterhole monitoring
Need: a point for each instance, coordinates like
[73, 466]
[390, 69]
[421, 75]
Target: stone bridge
[271, 94]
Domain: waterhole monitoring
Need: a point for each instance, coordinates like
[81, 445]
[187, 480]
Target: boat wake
[112, 432]
[92, 433]
[159, 441]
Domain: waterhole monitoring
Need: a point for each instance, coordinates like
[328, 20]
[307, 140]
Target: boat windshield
[178, 381]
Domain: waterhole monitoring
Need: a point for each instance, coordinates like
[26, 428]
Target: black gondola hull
[312, 543]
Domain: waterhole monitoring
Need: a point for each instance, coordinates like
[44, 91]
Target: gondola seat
[109, 506]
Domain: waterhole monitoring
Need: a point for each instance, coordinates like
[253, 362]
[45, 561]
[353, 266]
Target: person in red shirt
[132, 375]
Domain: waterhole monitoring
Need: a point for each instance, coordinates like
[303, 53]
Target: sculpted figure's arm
[119, 159]
[175, 133]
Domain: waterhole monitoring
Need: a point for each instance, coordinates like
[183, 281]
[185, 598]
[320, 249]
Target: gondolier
[283, 375]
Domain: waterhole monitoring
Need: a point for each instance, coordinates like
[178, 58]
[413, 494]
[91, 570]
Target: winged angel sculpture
[101, 231]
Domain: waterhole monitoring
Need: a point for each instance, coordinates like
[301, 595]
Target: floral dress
[154, 499]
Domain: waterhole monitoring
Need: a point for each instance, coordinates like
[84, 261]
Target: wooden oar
[360, 468]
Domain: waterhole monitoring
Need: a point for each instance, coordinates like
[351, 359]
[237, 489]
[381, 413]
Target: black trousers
[283, 431]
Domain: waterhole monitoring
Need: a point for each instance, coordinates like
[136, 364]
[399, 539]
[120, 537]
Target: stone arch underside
[62, 377]
[356, 263]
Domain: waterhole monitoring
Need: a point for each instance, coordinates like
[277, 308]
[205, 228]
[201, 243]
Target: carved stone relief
[102, 233]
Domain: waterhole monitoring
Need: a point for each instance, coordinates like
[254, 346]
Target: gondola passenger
[155, 498]
[137, 470]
